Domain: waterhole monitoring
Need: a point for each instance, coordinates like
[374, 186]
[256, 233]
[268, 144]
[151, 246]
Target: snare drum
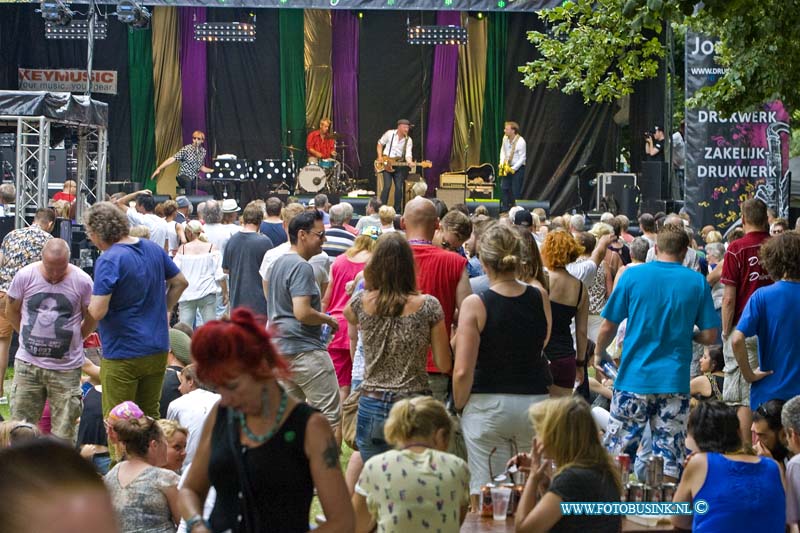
[311, 178]
[327, 163]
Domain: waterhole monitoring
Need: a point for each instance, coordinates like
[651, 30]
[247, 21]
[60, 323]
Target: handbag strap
[249, 507]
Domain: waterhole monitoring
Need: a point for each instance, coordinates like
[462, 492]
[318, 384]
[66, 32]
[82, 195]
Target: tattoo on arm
[331, 454]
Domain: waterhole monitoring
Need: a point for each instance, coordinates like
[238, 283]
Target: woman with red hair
[263, 451]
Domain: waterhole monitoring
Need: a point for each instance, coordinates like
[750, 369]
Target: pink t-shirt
[50, 330]
[343, 271]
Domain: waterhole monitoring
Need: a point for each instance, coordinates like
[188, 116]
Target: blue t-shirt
[274, 231]
[771, 313]
[663, 302]
[134, 275]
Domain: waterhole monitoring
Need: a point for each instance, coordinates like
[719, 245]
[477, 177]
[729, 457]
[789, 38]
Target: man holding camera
[654, 144]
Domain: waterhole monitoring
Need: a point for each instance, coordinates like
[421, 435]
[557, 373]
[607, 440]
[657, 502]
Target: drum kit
[329, 175]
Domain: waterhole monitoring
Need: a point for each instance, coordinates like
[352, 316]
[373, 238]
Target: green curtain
[494, 98]
[293, 78]
[143, 126]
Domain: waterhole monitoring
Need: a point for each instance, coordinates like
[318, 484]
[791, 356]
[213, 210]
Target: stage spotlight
[57, 12]
[241, 32]
[133, 14]
[454, 35]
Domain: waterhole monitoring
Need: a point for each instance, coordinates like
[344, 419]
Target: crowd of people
[238, 348]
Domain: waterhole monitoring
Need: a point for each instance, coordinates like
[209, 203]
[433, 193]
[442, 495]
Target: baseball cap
[523, 217]
[372, 231]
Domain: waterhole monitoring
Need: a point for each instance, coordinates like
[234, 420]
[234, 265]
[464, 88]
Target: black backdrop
[394, 81]
[562, 133]
[22, 44]
[244, 113]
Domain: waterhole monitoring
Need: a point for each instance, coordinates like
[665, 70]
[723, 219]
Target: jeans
[512, 187]
[372, 415]
[102, 463]
[206, 306]
[399, 177]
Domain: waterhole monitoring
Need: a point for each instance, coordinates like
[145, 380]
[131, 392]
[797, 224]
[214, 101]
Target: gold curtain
[167, 93]
[317, 56]
[470, 95]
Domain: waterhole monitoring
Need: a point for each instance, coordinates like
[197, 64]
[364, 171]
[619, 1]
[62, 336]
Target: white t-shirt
[219, 234]
[584, 270]
[321, 263]
[191, 411]
[154, 223]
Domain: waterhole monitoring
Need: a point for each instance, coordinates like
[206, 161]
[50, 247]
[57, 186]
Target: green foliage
[601, 48]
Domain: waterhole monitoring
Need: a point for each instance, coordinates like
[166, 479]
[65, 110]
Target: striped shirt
[337, 241]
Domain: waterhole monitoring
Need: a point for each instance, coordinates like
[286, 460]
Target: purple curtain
[193, 73]
[439, 138]
[344, 64]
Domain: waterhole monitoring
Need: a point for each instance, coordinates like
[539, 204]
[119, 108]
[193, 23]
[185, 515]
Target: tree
[601, 48]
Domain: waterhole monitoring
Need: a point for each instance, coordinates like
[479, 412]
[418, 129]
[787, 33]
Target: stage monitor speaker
[359, 204]
[653, 180]
[492, 205]
[653, 206]
[530, 205]
[451, 197]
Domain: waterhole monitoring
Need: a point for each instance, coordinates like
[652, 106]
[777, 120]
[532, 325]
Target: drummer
[320, 143]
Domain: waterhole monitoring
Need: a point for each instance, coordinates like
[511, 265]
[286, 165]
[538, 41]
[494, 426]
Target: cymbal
[292, 148]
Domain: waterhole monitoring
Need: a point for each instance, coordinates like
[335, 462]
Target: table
[479, 524]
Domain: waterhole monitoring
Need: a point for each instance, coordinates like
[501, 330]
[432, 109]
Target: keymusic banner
[730, 159]
[66, 80]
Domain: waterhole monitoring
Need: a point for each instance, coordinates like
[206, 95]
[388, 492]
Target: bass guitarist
[395, 144]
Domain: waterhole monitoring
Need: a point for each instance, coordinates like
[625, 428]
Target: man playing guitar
[395, 144]
[320, 144]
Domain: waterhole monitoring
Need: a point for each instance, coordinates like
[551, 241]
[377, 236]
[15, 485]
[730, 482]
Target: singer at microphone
[320, 144]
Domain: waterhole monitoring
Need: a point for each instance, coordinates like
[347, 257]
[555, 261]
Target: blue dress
[741, 497]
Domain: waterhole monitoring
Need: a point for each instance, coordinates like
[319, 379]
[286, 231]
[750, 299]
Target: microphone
[471, 123]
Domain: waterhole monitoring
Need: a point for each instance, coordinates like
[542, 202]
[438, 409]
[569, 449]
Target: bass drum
[311, 178]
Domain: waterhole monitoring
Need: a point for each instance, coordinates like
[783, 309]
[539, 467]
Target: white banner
[66, 80]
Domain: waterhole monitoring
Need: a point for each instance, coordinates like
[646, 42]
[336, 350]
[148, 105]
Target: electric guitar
[391, 163]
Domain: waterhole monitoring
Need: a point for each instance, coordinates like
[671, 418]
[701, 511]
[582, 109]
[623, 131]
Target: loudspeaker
[359, 204]
[492, 205]
[652, 206]
[451, 196]
[653, 180]
[530, 205]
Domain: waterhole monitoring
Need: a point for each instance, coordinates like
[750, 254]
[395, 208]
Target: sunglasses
[320, 234]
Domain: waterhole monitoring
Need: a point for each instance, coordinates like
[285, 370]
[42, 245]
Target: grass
[5, 411]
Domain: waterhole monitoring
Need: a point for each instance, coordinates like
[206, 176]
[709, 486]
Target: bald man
[48, 306]
[440, 273]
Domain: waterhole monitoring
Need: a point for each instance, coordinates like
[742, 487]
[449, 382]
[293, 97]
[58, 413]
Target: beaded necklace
[266, 436]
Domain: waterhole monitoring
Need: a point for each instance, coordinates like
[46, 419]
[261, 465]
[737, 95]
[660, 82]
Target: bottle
[326, 333]
[609, 369]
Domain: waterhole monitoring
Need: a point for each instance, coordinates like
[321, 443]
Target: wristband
[195, 520]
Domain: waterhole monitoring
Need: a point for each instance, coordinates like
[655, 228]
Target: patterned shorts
[735, 389]
[667, 415]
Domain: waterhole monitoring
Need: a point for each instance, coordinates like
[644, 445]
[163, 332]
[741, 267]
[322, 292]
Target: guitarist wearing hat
[395, 161]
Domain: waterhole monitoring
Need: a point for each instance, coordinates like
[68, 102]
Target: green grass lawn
[4, 409]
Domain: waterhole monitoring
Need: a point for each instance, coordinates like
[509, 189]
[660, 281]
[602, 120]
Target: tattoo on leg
[331, 454]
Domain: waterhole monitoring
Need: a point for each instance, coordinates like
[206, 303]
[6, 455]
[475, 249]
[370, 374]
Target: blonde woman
[417, 485]
[386, 214]
[568, 440]
[176, 436]
[201, 263]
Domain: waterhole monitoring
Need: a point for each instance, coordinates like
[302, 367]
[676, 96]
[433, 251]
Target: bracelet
[195, 520]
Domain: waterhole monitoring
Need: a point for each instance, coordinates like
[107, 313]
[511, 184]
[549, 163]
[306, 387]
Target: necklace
[266, 436]
[419, 241]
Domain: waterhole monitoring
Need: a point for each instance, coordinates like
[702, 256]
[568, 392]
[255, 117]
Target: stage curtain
[143, 127]
[167, 91]
[292, 79]
[439, 141]
[494, 96]
[317, 59]
[344, 63]
[469, 95]
[394, 81]
[193, 73]
[562, 133]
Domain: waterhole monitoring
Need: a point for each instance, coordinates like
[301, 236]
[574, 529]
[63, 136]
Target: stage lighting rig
[455, 35]
[229, 32]
[133, 14]
[77, 29]
[56, 12]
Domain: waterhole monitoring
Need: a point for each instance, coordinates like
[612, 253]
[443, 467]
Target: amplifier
[451, 196]
[452, 180]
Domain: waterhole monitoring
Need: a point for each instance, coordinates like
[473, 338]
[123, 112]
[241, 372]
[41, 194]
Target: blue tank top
[741, 497]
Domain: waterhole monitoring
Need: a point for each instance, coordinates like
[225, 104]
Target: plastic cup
[500, 498]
